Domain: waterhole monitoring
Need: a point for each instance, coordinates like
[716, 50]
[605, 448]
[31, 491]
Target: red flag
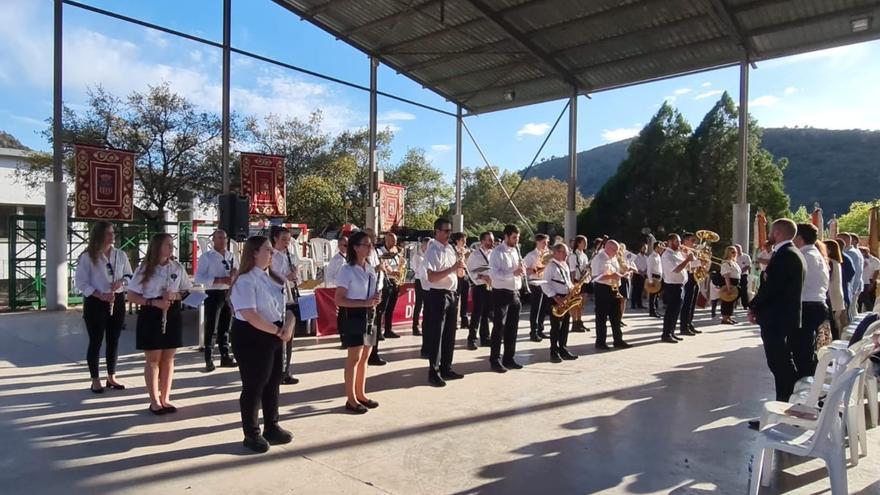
[262, 180]
[104, 183]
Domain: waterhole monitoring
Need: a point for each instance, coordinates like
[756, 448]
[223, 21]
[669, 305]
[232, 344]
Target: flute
[164, 313]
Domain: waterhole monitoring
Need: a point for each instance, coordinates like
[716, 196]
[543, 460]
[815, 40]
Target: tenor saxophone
[571, 301]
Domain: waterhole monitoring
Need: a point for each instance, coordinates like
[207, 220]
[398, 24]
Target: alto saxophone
[571, 301]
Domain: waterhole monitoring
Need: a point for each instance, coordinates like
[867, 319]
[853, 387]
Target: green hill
[832, 167]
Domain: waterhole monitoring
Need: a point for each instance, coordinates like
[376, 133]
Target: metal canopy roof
[488, 55]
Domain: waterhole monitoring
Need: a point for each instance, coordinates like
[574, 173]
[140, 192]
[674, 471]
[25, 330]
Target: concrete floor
[656, 418]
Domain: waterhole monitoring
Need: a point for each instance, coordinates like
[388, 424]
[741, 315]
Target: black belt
[672, 285]
[353, 313]
[814, 304]
[444, 291]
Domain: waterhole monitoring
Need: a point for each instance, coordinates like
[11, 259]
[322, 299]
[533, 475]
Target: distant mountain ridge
[832, 167]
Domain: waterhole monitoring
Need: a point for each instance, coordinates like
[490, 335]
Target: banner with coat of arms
[262, 180]
[104, 187]
[390, 205]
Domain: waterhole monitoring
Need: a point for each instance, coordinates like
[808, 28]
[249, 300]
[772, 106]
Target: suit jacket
[778, 301]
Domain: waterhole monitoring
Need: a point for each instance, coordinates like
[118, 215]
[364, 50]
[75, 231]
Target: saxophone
[571, 301]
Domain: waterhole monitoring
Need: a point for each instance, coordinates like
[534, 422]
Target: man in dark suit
[777, 305]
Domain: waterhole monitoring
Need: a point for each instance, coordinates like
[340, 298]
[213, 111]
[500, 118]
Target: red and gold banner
[390, 206]
[104, 183]
[262, 180]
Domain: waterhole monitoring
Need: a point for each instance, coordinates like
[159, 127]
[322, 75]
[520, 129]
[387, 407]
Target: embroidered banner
[390, 206]
[262, 180]
[104, 187]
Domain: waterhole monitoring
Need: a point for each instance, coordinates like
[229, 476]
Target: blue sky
[832, 89]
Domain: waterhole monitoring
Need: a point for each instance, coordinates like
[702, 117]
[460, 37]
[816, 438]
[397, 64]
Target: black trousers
[607, 310]
[727, 308]
[803, 341]
[744, 290]
[654, 298]
[559, 332]
[259, 364]
[217, 319]
[420, 298]
[481, 313]
[779, 358]
[100, 325]
[505, 322]
[537, 308]
[464, 286]
[866, 298]
[672, 299]
[439, 328]
[688, 304]
[385, 310]
[638, 288]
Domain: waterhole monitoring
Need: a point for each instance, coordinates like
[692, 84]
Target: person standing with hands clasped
[358, 293]
[158, 286]
[216, 271]
[258, 334]
[100, 273]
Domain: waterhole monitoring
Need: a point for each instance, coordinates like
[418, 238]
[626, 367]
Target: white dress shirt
[283, 263]
[211, 266]
[503, 261]
[655, 266]
[558, 279]
[578, 264]
[331, 271]
[763, 258]
[171, 276]
[531, 261]
[731, 269]
[602, 265]
[418, 266]
[872, 264]
[816, 279]
[478, 264]
[745, 262]
[641, 262]
[670, 261]
[440, 257]
[360, 282]
[94, 277]
[256, 290]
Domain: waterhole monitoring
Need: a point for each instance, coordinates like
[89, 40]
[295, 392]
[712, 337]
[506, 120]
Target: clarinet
[371, 312]
[112, 280]
[294, 294]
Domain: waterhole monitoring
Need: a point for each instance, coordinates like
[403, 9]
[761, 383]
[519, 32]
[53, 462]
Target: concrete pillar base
[741, 226]
[570, 224]
[56, 246]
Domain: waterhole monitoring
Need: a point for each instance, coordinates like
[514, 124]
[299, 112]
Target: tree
[801, 215]
[856, 219]
[173, 142]
[427, 193]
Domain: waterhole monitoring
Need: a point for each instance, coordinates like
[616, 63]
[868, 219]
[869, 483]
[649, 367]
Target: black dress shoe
[622, 345]
[157, 412]
[99, 390]
[391, 335]
[417, 332]
[623, 324]
[535, 337]
[227, 362]
[369, 403]
[554, 357]
[256, 443]
[450, 375]
[687, 332]
[669, 339]
[567, 356]
[358, 409]
[472, 345]
[543, 335]
[209, 367]
[602, 347]
[497, 367]
[115, 386]
[290, 380]
[376, 362]
[695, 331]
[276, 435]
[754, 425]
[578, 327]
[380, 337]
[657, 315]
[435, 379]
[485, 343]
[512, 364]
[676, 337]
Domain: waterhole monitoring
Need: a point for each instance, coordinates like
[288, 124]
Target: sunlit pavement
[656, 418]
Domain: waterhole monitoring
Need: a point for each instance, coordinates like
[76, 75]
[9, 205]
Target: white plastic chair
[824, 442]
[811, 390]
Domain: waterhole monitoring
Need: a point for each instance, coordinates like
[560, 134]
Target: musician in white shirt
[640, 262]
[506, 270]
[557, 287]
[478, 270]
[391, 254]
[259, 330]
[379, 266]
[579, 269]
[284, 265]
[654, 272]
[101, 272]
[745, 267]
[442, 265]
[336, 263]
[535, 275]
[731, 272]
[607, 274]
[215, 271]
[691, 291]
[675, 276]
[158, 286]
[421, 276]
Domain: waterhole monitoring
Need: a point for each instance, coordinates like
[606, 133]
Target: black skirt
[353, 327]
[149, 336]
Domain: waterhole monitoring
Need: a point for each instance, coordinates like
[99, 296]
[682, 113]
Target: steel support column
[741, 208]
[227, 44]
[56, 190]
[570, 208]
[372, 219]
[458, 218]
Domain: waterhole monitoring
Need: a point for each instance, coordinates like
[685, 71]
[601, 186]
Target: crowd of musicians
[251, 310]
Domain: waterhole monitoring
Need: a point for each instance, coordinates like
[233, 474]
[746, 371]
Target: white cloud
[708, 94]
[706, 84]
[396, 115]
[533, 129]
[764, 101]
[682, 91]
[441, 148]
[790, 91]
[610, 135]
